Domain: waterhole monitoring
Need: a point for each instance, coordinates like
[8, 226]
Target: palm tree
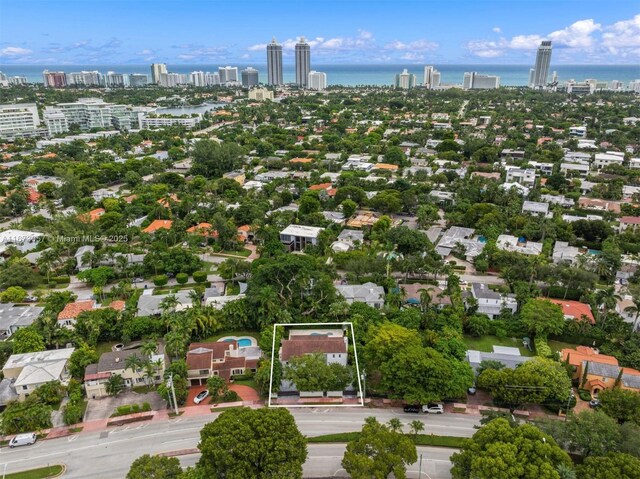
[196, 298]
[149, 372]
[606, 299]
[115, 384]
[395, 425]
[133, 362]
[425, 298]
[148, 348]
[635, 310]
[169, 304]
[416, 427]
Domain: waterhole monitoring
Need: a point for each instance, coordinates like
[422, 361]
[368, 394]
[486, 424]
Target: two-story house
[29, 370]
[221, 358]
[491, 303]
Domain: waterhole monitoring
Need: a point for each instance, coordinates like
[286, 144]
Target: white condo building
[228, 74]
[157, 70]
[431, 77]
[405, 80]
[477, 81]
[18, 118]
[317, 80]
[540, 74]
[197, 78]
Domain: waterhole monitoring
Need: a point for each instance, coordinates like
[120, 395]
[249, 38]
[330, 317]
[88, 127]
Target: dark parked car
[594, 403]
[412, 408]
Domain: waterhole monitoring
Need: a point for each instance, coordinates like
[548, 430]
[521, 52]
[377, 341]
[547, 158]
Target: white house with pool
[227, 357]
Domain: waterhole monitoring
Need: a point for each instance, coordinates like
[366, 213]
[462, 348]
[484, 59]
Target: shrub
[230, 396]
[135, 408]
[584, 394]
[542, 347]
[477, 326]
[182, 278]
[61, 279]
[146, 406]
[160, 280]
[200, 276]
[74, 412]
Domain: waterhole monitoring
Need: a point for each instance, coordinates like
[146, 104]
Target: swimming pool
[242, 342]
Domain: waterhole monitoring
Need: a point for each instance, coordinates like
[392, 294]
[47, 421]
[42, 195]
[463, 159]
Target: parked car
[202, 395]
[30, 299]
[594, 403]
[472, 390]
[412, 408]
[138, 280]
[433, 408]
[23, 440]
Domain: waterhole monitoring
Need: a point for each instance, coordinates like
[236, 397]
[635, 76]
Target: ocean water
[353, 75]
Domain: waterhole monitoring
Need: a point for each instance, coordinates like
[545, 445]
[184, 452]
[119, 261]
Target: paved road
[108, 455]
[325, 460]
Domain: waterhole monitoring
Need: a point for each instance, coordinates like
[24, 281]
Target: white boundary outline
[319, 326]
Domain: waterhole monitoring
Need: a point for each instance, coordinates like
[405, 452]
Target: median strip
[419, 439]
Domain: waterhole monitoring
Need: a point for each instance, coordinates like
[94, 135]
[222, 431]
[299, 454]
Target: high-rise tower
[157, 70]
[274, 63]
[541, 68]
[303, 62]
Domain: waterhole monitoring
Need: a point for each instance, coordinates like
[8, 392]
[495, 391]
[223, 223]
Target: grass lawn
[215, 337]
[420, 439]
[40, 473]
[486, 343]
[557, 346]
[102, 348]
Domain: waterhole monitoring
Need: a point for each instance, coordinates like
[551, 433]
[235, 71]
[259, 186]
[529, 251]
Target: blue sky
[58, 32]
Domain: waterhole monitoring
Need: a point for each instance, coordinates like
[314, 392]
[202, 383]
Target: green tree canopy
[621, 404]
[312, 373]
[155, 467]
[612, 466]
[500, 451]
[378, 452]
[542, 317]
[27, 340]
[258, 443]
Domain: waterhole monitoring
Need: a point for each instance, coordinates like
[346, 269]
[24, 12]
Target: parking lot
[103, 408]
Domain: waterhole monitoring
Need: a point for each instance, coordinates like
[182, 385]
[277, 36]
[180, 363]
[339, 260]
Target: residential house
[92, 216]
[347, 239]
[518, 245]
[29, 370]
[157, 225]
[600, 205]
[508, 153]
[508, 356]
[82, 256]
[602, 371]
[520, 189]
[237, 176]
[368, 293]
[67, 317]
[602, 160]
[96, 376]
[22, 240]
[490, 302]
[151, 304]
[298, 237]
[563, 253]
[413, 295]
[330, 342]
[526, 177]
[222, 358]
[560, 200]
[102, 193]
[13, 317]
[219, 302]
[536, 208]
[568, 169]
[455, 236]
[629, 222]
[575, 309]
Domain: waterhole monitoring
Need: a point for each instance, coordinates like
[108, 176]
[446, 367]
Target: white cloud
[486, 48]
[576, 35]
[416, 45]
[622, 35]
[15, 52]
[497, 29]
[412, 56]
[524, 42]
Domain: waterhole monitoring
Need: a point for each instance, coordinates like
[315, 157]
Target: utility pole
[173, 393]
[364, 386]
[420, 468]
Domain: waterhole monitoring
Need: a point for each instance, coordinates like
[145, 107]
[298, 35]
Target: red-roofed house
[203, 229]
[631, 222]
[331, 343]
[92, 216]
[33, 196]
[575, 309]
[325, 189]
[67, 317]
[221, 358]
[158, 225]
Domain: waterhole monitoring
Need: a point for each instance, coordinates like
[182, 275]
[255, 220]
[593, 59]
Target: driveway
[104, 407]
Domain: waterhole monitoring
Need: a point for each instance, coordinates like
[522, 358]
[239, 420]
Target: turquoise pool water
[242, 342]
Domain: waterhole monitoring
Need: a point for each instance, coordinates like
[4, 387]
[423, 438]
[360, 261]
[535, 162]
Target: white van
[23, 439]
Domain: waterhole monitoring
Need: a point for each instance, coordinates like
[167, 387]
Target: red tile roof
[320, 187]
[630, 220]
[585, 353]
[158, 225]
[117, 305]
[301, 345]
[575, 309]
[72, 310]
[203, 229]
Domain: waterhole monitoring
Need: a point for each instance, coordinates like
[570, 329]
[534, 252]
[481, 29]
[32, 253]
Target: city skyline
[363, 33]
